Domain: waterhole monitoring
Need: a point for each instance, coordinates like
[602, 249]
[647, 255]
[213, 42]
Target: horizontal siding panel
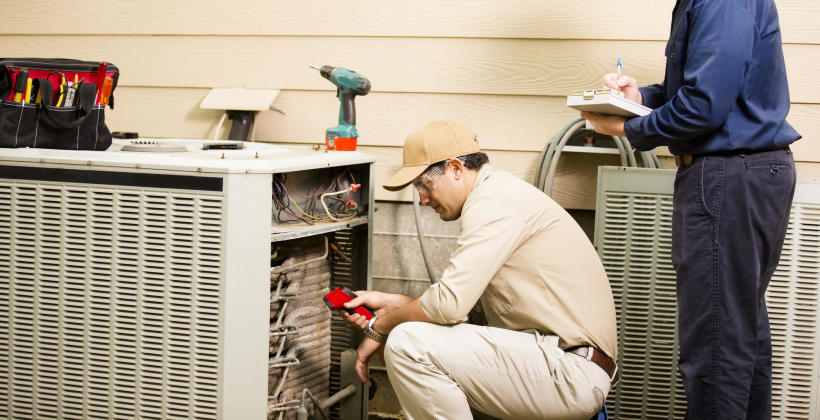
[557, 19]
[480, 66]
[509, 123]
[476, 66]
[420, 18]
[802, 62]
[524, 67]
[163, 112]
[220, 61]
[806, 120]
[809, 171]
[385, 119]
[798, 21]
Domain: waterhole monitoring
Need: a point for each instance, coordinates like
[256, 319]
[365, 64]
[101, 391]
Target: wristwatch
[373, 334]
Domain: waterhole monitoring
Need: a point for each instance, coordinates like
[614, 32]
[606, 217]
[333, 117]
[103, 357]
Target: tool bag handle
[86, 94]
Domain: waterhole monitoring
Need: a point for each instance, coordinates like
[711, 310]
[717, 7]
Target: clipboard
[603, 101]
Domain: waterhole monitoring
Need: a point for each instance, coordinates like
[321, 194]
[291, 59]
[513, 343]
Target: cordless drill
[349, 84]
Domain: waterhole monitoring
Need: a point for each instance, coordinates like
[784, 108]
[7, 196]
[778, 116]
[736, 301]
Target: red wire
[287, 180]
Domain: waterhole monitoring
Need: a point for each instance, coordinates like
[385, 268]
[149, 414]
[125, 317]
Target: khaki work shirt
[528, 263]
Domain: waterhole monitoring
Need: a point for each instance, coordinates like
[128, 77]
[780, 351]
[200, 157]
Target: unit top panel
[191, 155]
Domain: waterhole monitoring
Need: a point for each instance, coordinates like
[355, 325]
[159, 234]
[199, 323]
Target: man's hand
[396, 309]
[624, 86]
[610, 125]
[380, 303]
[365, 350]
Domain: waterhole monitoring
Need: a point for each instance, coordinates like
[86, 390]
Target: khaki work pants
[439, 372]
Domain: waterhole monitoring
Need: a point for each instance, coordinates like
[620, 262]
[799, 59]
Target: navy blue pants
[729, 221]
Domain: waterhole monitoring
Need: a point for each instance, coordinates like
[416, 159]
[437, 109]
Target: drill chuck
[346, 80]
[326, 72]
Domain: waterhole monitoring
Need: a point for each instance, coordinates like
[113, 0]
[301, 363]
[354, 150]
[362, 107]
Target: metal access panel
[633, 236]
[113, 295]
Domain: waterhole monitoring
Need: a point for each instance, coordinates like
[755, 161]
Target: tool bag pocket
[55, 103]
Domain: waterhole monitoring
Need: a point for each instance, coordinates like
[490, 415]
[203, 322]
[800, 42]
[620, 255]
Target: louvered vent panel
[21, 316]
[109, 302]
[342, 272]
[5, 298]
[792, 299]
[633, 236]
[635, 250]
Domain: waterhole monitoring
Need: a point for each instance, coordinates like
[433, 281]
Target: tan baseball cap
[436, 141]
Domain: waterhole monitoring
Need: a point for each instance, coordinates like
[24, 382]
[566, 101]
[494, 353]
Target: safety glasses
[427, 182]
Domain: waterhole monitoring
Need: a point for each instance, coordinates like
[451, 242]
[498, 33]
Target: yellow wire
[302, 211]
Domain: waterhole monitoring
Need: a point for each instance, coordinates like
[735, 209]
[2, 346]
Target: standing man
[549, 347]
[721, 110]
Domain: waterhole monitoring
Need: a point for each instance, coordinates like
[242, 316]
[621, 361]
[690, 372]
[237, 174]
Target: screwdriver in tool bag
[62, 87]
[27, 95]
[105, 93]
[20, 85]
[101, 69]
[70, 89]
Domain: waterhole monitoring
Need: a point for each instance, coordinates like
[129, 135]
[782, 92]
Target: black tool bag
[55, 103]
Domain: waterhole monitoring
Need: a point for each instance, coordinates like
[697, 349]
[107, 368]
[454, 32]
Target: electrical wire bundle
[332, 202]
[548, 162]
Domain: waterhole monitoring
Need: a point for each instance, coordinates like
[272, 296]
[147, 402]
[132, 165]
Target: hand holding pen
[624, 86]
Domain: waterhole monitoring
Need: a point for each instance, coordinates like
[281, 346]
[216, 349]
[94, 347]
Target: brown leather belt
[595, 356]
[684, 160]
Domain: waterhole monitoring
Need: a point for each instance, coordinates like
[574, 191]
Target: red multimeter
[337, 298]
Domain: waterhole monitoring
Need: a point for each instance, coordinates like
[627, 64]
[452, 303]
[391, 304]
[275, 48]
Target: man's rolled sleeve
[491, 232]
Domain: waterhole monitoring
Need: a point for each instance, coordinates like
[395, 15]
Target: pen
[619, 74]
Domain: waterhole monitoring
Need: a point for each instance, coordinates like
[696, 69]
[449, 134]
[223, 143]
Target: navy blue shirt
[725, 85]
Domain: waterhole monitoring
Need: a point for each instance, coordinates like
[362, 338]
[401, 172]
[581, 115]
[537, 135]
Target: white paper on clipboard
[603, 101]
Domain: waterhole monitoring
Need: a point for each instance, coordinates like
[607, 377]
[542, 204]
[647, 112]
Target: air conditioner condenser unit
[137, 285]
[633, 235]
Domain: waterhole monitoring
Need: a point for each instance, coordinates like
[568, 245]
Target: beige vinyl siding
[501, 67]
[558, 19]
